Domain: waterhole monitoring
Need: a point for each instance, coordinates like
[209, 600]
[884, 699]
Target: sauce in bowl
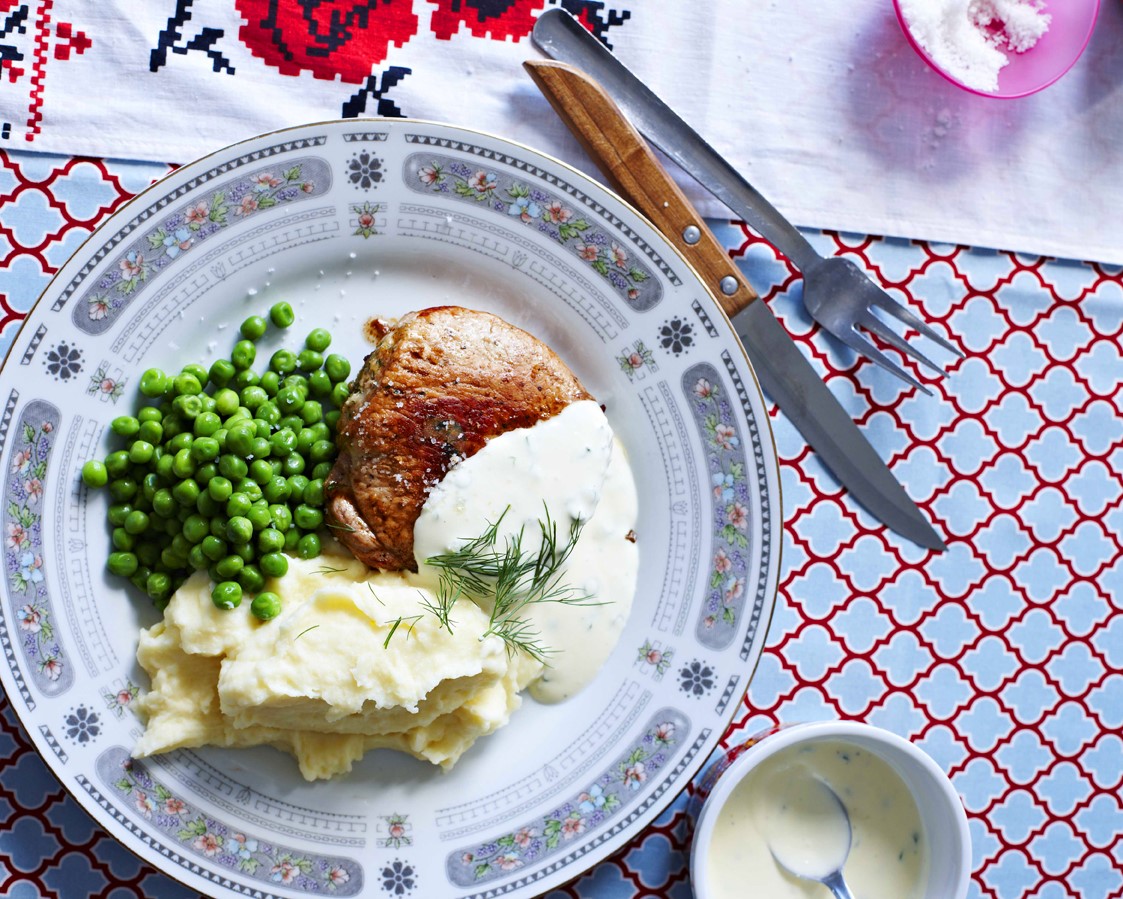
[780, 802]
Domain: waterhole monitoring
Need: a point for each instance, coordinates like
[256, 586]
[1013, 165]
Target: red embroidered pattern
[332, 39]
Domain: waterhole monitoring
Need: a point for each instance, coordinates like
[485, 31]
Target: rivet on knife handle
[637, 174]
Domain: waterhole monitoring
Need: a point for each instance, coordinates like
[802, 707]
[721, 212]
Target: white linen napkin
[823, 106]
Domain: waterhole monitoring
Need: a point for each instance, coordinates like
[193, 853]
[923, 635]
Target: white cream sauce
[779, 804]
[572, 465]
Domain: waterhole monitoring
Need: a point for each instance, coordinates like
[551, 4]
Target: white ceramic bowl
[949, 840]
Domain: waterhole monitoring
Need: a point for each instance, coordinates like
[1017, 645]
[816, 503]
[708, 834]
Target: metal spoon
[799, 851]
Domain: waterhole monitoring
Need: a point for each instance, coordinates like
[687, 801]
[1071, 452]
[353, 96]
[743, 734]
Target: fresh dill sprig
[510, 579]
[339, 527]
[394, 628]
[303, 632]
[327, 569]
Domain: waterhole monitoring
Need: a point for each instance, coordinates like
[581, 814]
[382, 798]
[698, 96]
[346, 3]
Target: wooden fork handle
[633, 170]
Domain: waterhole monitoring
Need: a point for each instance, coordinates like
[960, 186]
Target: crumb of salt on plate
[966, 38]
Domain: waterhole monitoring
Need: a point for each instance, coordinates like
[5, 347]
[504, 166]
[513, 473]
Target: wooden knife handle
[634, 171]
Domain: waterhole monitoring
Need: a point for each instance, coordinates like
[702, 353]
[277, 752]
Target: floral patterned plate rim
[347, 220]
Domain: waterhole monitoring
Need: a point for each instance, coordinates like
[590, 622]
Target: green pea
[243, 355]
[314, 492]
[339, 393]
[291, 422]
[306, 517]
[338, 368]
[229, 566]
[230, 466]
[183, 465]
[206, 505]
[281, 315]
[318, 339]
[158, 585]
[331, 419]
[253, 328]
[203, 449]
[297, 484]
[117, 463]
[221, 372]
[259, 516]
[226, 402]
[149, 413]
[153, 383]
[243, 379]
[283, 361]
[269, 413]
[251, 578]
[266, 606]
[239, 529]
[122, 489]
[270, 382]
[308, 546]
[196, 558]
[122, 539]
[283, 441]
[186, 384]
[309, 360]
[238, 505]
[260, 448]
[123, 564]
[270, 540]
[227, 595]
[117, 513]
[322, 451]
[186, 492]
[261, 472]
[206, 423]
[188, 405]
[94, 474]
[163, 503]
[274, 564]
[239, 439]
[151, 431]
[214, 548]
[136, 522]
[282, 518]
[319, 384]
[164, 467]
[250, 487]
[292, 464]
[204, 473]
[276, 489]
[219, 488]
[197, 371]
[311, 412]
[253, 396]
[125, 426]
[196, 528]
[245, 552]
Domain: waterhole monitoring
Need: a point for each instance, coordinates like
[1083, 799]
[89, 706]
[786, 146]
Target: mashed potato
[326, 681]
[318, 681]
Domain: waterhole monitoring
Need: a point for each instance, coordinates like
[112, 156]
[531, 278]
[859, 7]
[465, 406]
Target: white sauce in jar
[572, 465]
[779, 802]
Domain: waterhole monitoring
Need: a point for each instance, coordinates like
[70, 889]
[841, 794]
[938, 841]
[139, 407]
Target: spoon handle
[838, 886]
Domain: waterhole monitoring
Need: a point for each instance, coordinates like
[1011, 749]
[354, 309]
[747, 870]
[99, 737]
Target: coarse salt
[966, 38]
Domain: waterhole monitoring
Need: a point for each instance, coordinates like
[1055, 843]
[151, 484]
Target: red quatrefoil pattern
[1003, 658]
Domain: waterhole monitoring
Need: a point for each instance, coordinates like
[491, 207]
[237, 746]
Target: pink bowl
[1037, 68]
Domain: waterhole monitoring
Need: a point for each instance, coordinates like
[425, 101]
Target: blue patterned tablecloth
[1001, 658]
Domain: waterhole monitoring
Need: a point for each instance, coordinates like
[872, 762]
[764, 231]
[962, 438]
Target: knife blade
[634, 171]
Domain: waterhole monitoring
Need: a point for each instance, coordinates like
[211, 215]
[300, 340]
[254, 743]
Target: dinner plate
[346, 221]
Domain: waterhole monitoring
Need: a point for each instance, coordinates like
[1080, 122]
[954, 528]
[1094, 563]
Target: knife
[788, 378]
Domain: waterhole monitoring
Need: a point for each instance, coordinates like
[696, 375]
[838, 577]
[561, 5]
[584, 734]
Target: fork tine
[902, 313]
[862, 346]
[872, 323]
